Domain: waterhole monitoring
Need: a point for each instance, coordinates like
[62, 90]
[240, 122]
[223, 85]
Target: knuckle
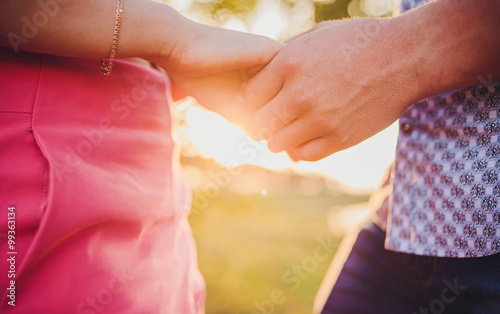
[343, 139]
[301, 99]
[283, 141]
[276, 124]
[292, 62]
[284, 114]
[319, 120]
[260, 118]
[249, 95]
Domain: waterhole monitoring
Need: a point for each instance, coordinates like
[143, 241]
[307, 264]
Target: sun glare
[361, 166]
[269, 20]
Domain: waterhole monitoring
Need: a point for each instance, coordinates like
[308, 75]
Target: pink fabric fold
[101, 215]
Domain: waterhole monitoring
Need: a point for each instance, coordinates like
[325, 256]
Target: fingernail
[293, 157]
[264, 134]
[253, 136]
[273, 147]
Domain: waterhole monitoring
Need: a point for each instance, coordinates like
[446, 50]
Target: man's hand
[344, 81]
[329, 89]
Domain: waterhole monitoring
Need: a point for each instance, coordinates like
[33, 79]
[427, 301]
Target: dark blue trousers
[374, 280]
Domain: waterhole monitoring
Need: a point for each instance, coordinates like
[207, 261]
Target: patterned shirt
[446, 187]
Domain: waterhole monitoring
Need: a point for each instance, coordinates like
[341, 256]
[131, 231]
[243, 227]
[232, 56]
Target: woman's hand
[205, 62]
[211, 64]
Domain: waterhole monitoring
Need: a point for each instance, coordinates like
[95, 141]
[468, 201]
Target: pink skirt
[89, 187]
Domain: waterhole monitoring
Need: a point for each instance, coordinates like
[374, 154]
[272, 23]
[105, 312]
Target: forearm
[85, 28]
[450, 44]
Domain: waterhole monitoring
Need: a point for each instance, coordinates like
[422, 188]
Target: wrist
[424, 51]
[398, 60]
[169, 34]
[450, 45]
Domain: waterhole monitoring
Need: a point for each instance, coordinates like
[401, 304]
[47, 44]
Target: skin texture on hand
[344, 81]
[332, 94]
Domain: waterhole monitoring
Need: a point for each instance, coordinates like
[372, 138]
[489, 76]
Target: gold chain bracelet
[106, 69]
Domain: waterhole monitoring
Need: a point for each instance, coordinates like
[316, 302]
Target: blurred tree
[331, 10]
[235, 6]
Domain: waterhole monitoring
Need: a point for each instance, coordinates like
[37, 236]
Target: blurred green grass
[247, 244]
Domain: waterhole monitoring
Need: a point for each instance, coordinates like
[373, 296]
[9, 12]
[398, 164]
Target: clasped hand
[327, 90]
[320, 92]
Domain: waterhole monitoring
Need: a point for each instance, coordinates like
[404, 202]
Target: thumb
[261, 88]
